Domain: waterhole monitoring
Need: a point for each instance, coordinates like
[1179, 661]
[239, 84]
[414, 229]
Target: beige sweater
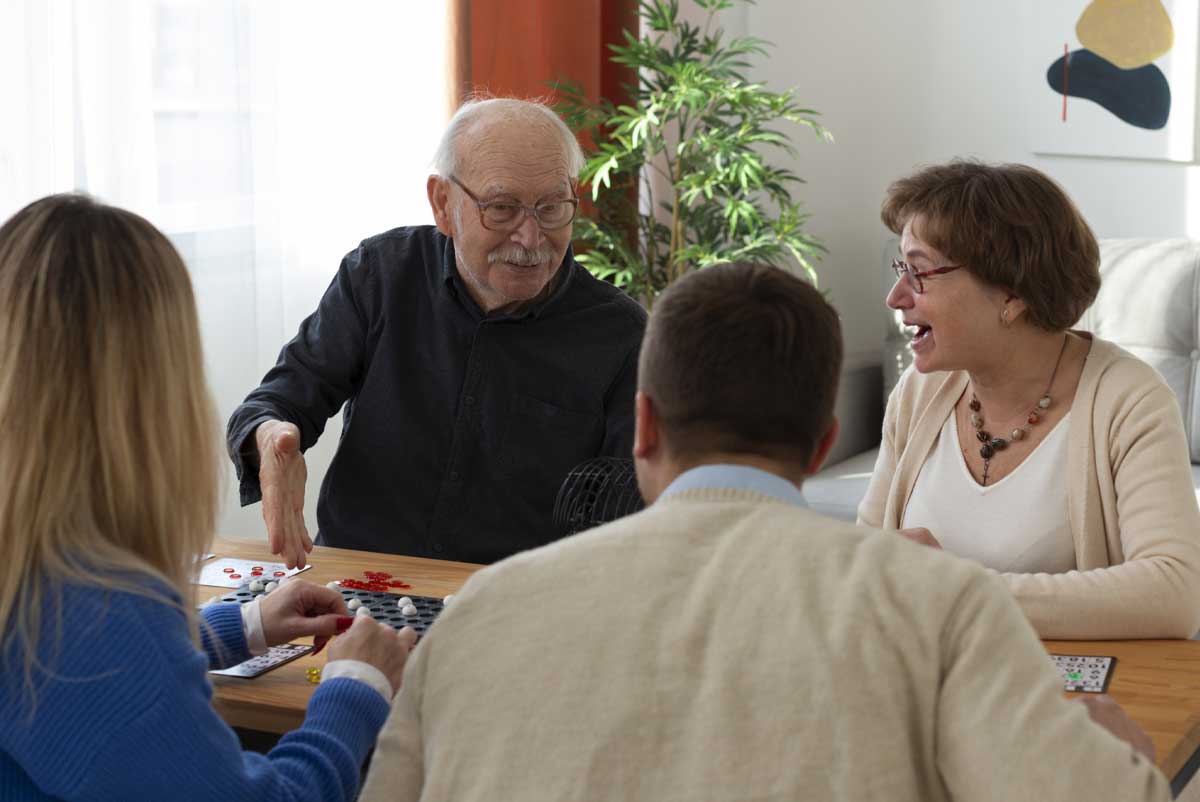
[1132, 505]
[723, 645]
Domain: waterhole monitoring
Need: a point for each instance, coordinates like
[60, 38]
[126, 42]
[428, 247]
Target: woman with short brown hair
[1051, 456]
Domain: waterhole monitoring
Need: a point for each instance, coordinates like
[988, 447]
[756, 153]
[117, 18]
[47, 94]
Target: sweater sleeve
[222, 635]
[142, 726]
[1154, 592]
[397, 767]
[315, 374]
[1004, 729]
[874, 503]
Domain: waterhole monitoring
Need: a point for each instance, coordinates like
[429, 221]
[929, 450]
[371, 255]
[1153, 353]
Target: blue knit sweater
[126, 714]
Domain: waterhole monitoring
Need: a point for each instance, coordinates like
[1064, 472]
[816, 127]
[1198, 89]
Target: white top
[1019, 524]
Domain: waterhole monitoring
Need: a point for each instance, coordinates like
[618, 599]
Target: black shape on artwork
[1140, 97]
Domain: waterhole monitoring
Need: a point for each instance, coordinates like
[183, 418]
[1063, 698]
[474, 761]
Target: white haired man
[477, 360]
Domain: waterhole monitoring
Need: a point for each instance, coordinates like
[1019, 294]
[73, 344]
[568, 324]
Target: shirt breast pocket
[544, 441]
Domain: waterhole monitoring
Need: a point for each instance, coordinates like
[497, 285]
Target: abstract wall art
[1112, 77]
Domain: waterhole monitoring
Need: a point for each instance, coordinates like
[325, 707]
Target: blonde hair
[108, 434]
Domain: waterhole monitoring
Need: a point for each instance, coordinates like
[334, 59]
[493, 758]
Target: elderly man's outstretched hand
[281, 475]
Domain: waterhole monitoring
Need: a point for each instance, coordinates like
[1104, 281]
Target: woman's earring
[1004, 317]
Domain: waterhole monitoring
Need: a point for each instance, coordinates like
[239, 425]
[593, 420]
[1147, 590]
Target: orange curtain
[517, 47]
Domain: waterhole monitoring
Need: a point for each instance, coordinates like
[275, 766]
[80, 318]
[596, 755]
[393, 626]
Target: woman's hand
[920, 534]
[378, 645]
[298, 608]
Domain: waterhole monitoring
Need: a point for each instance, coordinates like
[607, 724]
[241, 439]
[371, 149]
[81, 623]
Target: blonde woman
[108, 487]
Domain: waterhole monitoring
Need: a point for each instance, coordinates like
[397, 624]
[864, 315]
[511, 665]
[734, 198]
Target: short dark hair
[1011, 226]
[745, 359]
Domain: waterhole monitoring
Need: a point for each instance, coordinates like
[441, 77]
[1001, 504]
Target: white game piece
[270, 586]
[332, 585]
[364, 611]
[409, 611]
[446, 601]
[354, 604]
[256, 585]
[404, 601]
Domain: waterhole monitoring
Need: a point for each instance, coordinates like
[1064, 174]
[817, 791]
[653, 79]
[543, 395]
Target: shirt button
[470, 400]
[453, 476]
[438, 548]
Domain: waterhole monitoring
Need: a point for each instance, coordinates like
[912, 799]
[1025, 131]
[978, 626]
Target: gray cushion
[1149, 304]
[837, 490]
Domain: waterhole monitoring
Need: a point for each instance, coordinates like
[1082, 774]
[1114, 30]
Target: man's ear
[646, 433]
[824, 446]
[438, 191]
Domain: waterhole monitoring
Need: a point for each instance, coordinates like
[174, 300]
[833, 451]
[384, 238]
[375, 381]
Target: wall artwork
[1113, 78]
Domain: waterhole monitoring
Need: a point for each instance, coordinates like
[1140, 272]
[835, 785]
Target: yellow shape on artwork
[1129, 33]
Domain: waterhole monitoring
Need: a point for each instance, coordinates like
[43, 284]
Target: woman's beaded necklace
[993, 444]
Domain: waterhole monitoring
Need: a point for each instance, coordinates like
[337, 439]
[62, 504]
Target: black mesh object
[596, 492]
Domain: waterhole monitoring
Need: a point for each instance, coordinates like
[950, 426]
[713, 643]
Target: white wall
[902, 84]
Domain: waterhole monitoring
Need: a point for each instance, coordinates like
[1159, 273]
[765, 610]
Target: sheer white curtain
[265, 137]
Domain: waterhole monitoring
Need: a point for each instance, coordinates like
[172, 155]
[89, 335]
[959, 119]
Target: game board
[1083, 672]
[383, 606]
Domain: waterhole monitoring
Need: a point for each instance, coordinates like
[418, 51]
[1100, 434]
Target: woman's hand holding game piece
[378, 645]
[281, 476]
[299, 608]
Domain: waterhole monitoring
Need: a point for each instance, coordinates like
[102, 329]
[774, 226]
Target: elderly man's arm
[316, 372]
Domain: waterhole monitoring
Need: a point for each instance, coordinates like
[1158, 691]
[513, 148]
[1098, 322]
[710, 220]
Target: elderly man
[726, 643]
[478, 363]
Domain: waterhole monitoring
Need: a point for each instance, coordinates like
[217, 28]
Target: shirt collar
[562, 280]
[736, 477]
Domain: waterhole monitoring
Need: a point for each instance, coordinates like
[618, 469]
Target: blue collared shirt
[736, 477]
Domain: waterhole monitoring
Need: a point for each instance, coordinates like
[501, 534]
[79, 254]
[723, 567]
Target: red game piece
[256, 568]
[280, 573]
[256, 573]
[227, 570]
[235, 576]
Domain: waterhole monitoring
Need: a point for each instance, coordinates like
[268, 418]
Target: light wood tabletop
[1156, 681]
[1158, 684]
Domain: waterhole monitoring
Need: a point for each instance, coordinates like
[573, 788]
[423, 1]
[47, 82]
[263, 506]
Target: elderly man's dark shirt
[458, 429]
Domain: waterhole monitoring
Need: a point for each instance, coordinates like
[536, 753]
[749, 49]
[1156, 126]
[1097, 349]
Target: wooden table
[276, 701]
[1158, 682]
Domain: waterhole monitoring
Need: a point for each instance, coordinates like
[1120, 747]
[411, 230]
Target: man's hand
[920, 534]
[299, 608]
[281, 475]
[1104, 710]
[378, 645]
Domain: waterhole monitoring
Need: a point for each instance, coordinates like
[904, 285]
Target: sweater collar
[736, 477]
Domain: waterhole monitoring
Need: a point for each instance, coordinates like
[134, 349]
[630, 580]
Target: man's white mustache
[520, 255]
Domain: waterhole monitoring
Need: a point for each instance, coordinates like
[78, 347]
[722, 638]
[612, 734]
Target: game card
[275, 657]
[1084, 673]
[226, 572]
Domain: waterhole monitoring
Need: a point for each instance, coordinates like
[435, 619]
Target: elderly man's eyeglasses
[915, 277]
[507, 215]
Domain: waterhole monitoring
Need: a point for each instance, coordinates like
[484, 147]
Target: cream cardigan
[725, 645]
[1132, 505]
